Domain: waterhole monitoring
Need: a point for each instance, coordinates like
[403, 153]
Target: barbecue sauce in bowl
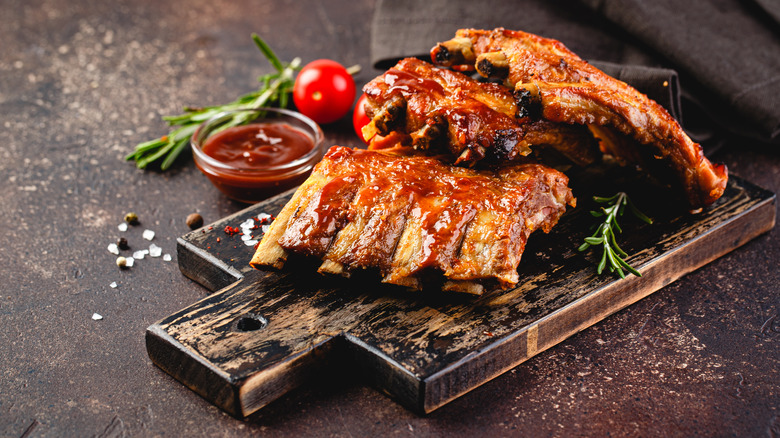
[258, 146]
[274, 152]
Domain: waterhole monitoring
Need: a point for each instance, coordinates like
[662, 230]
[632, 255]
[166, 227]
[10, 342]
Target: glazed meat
[415, 219]
[441, 110]
[544, 72]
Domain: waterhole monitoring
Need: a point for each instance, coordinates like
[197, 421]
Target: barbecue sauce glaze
[413, 213]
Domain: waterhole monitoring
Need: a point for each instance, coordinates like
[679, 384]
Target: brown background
[82, 82]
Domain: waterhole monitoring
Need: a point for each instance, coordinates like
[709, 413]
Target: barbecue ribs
[544, 72]
[445, 111]
[415, 219]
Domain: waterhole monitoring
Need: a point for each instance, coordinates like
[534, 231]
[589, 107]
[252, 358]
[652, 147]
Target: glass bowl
[283, 168]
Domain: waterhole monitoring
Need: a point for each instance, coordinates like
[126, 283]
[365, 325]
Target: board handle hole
[251, 322]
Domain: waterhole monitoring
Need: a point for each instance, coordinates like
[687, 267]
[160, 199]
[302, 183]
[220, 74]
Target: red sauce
[257, 159]
[258, 145]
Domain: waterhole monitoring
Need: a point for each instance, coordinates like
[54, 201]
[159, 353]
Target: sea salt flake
[265, 228]
[129, 262]
[139, 255]
[167, 257]
[263, 216]
[249, 223]
[251, 242]
[246, 237]
[122, 227]
[113, 284]
[148, 234]
[97, 316]
[113, 249]
[154, 250]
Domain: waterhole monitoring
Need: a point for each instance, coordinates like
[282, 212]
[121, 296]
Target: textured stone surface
[82, 82]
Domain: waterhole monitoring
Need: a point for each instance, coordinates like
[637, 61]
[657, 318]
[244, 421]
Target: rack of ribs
[443, 111]
[566, 89]
[415, 219]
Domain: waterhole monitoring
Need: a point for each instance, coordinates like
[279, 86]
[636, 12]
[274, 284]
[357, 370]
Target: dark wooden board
[264, 333]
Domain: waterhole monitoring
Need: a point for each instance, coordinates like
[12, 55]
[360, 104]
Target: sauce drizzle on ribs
[416, 219]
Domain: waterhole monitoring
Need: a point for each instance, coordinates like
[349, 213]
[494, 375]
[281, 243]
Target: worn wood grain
[265, 333]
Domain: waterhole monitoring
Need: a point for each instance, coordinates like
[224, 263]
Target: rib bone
[391, 115]
[453, 52]
[434, 129]
[493, 65]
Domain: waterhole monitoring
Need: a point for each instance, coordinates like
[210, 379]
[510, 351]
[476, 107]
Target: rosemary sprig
[605, 233]
[274, 90]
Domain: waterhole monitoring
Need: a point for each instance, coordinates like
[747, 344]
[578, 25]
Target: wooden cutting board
[264, 333]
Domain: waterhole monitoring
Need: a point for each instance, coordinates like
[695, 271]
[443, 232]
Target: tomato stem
[355, 69]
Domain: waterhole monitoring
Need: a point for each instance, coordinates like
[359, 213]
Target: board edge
[188, 367]
[438, 387]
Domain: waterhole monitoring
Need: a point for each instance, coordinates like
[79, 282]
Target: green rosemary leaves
[612, 256]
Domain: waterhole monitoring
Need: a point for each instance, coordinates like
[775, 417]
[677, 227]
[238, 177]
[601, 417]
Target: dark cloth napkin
[727, 52]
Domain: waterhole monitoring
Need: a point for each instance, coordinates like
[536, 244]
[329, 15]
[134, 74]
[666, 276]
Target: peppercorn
[122, 243]
[131, 218]
[194, 221]
[121, 262]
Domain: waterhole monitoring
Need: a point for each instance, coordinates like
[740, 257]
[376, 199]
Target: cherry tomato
[324, 91]
[359, 118]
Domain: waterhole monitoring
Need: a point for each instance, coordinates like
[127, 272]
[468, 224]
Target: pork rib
[416, 219]
[570, 90]
[445, 111]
